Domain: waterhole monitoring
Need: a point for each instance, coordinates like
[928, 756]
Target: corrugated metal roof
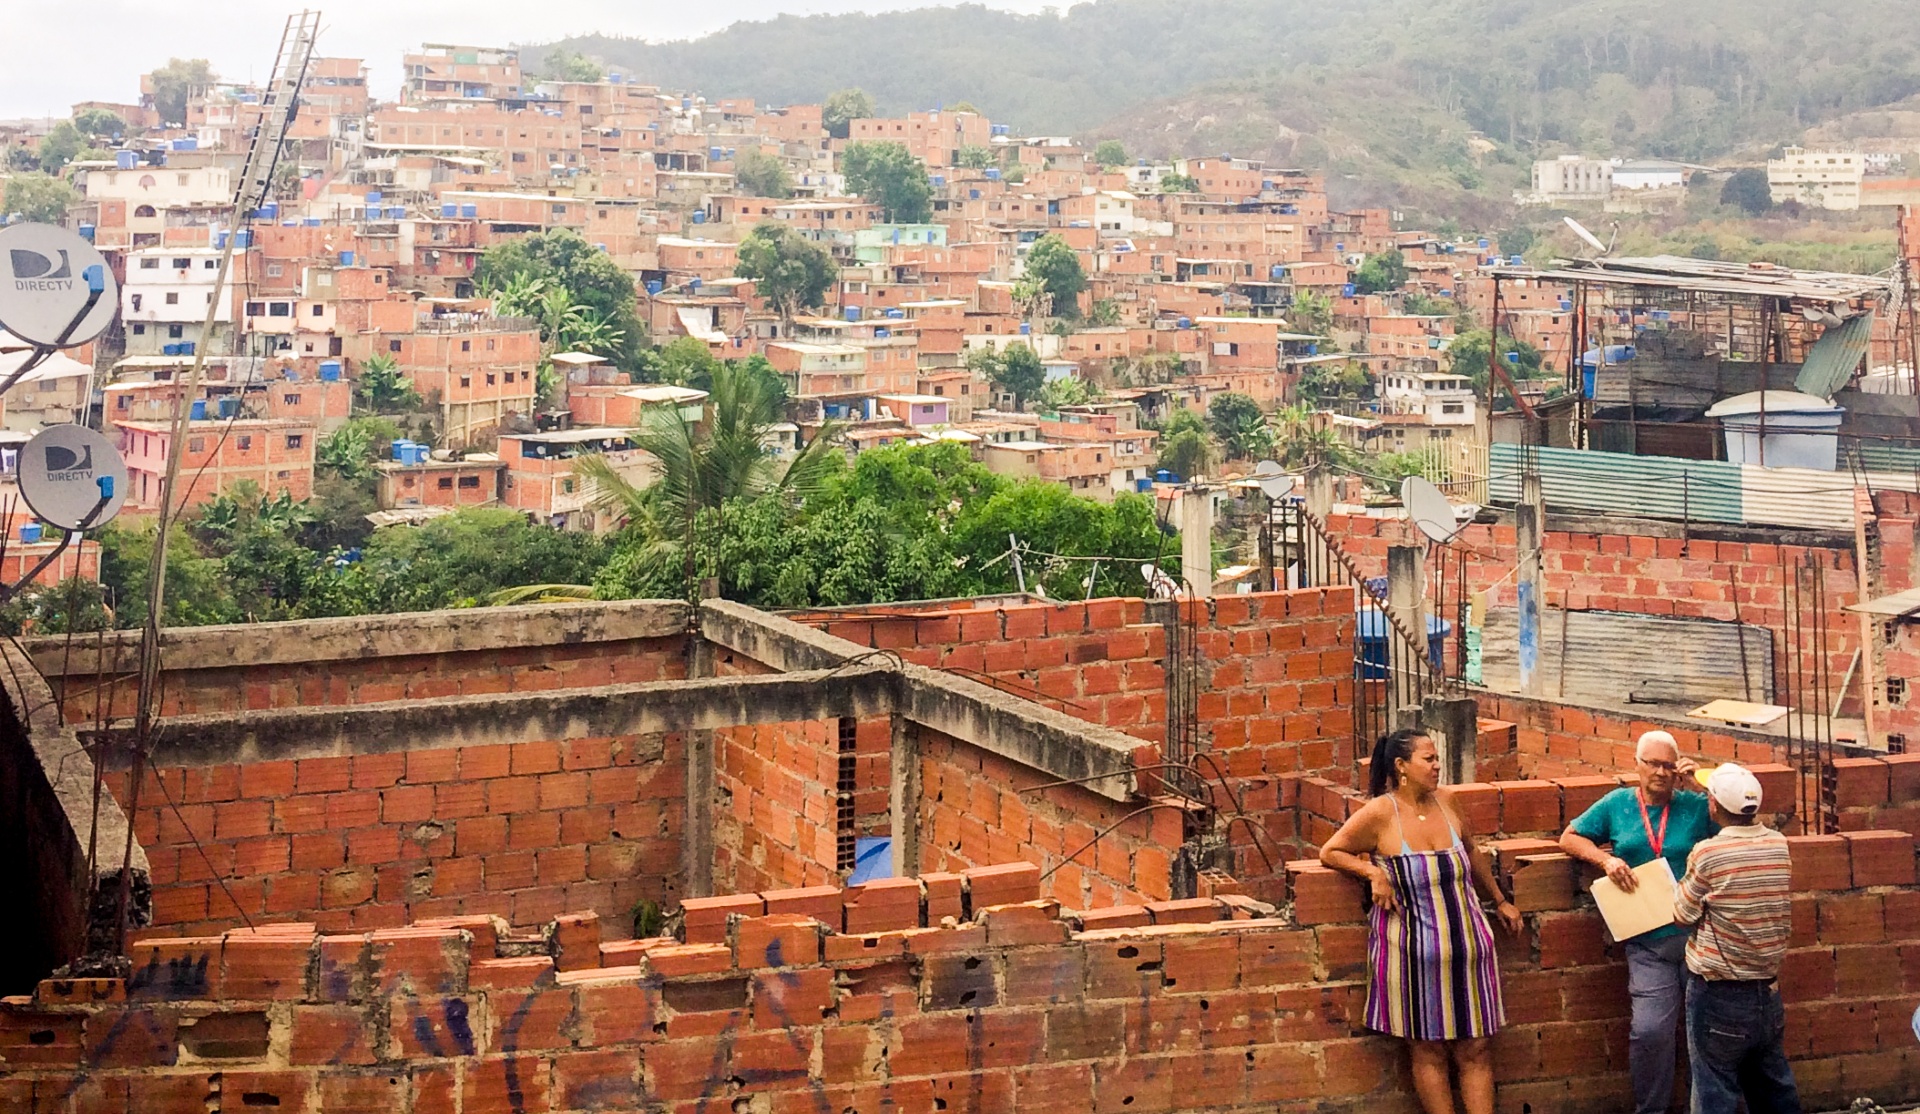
[1835, 356]
[1615, 483]
[1611, 656]
[1708, 277]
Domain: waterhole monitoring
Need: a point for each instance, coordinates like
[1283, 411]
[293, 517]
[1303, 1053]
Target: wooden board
[1739, 713]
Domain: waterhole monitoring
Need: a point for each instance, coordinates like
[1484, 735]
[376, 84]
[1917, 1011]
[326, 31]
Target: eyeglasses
[1663, 767]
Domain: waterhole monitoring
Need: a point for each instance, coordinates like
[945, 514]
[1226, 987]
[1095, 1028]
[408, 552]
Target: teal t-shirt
[1615, 818]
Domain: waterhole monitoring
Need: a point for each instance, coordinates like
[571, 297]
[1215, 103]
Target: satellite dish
[1593, 241]
[1817, 316]
[56, 291]
[1273, 480]
[72, 477]
[1428, 509]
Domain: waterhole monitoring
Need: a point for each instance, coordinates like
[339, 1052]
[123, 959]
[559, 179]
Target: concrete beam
[655, 707]
[976, 714]
[463, 630]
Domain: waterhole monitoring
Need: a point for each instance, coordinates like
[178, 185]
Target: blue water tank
[993, 174]
[1516, 260]
[1566, 304]
[186, 348]
[1143, 484]
[1278, 271]
[896, 313]
[243, 238]
[693, 284]
[973, 195]
[469, 210]
[1184, 323]
[1339, 247]
[699, 216]
[126, 160]
[939, 179]
[1347, 291]
[373, 197]
[449, 209]
[1026, 328]
[1373, 642]
[219, 240]
[189, 144]
[329, 371]
[397, 212]
[852, 313]
[686, 103]
[30, 532]
[310, 222]
[86, 233]
[1163, 476]
[655, 286]
[882, 334]
[198, 411]
[346, 259]
[1484, 245]
[229, 407]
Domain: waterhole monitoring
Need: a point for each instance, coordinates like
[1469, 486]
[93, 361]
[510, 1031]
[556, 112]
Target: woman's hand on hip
[1382, 886]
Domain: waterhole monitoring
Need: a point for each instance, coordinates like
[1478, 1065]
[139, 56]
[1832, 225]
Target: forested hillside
[1384, 90]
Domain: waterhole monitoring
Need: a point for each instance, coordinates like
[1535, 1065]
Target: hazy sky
[60, 53]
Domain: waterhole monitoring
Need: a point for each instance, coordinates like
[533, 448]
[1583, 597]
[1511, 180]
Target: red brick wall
[522, 831]
[1637, 574]
[978, 809]
[1550, 739]
[777, 818]
[1275, 673]
[369, 680]
[1168, 1007]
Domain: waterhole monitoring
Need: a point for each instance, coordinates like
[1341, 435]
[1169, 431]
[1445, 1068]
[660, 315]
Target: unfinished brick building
[421, 863]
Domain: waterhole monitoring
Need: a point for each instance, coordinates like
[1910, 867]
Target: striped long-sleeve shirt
[1737, 890]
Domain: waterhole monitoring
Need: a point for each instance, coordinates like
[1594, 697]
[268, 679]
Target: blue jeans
[1656, 973]
[1734, 1032]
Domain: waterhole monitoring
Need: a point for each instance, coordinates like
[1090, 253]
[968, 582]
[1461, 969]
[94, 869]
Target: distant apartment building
[443, 72]
[1823, 179]
[473, 482]
[166, 295]
[274, 454]
[936, 138]
[1571, 180]
[541, 479]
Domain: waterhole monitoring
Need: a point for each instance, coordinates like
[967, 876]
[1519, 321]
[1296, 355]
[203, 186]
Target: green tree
[1380, 272]
[596, 289]
[39, 197]
[1179, 183]
[700, 466]
[465, 558]
[99, 122]
[790, 271]
[1747, 190]
[381, 388]
[350, 451]
[1239, 426]
[1303, 439]
[1186, 453]
[1106, 312]
[1048, 519]
[64, 144]
[571, 65]
[1065, 390]
[74, 604]
[1056, 267]
[888, 175]
[762, 175]
[681, 362]
[1467, 355]
[171, 84]
[1421, 305]
[1110, 153]
[1311, 312]
[975, 157]
[1326, 383]
[1518, 240]
[842, 108]
[1015, 369]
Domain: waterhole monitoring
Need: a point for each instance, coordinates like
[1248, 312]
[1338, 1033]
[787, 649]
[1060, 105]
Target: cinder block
[1323, 896]
[1860, 782]
[1479, 803]
[1116, 916]
[946, 896]
[819, 902]
[175, 969]
[1542, 882]
[682, 960]
[777, 940]
[576, 941]
[1881, 858]
[1820, 862]
[265, 965]
[1903, 777]
[1779, 787]
[1578, 794]
[511, 974]
[704, 919]
[1193, 910]
[1031, 922]
[1529, 806]
[1007, 884]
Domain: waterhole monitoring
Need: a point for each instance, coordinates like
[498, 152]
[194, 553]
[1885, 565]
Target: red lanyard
[1657, 841]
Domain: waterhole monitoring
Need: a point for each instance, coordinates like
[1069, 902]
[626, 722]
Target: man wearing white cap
[1736, 893]
[1637, 824]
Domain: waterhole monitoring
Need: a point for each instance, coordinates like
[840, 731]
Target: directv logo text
[34, 271]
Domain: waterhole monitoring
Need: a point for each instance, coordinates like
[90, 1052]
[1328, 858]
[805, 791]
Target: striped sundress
[1435, 975]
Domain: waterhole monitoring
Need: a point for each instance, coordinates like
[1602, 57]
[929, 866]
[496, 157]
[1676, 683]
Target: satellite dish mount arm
[8, 591]
[96, 286]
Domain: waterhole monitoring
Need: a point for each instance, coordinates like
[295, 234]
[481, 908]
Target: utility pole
[1529, 522]
[1196, 539]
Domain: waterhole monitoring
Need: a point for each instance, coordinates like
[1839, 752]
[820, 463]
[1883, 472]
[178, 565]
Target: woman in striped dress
[1435, 978]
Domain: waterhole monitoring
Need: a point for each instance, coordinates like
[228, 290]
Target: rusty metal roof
[1707, 276]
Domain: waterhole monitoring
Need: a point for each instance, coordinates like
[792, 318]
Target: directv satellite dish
[1593, 241]
[1428, 509]
[1818, 316]
[72, 477]
[56, 291]
[1274, 482]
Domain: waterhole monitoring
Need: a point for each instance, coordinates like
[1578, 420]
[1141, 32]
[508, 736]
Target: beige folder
[1648, 907]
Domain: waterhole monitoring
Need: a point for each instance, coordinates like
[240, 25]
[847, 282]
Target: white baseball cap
[1733, 786]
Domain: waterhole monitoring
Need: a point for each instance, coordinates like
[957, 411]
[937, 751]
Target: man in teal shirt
[1639, 823]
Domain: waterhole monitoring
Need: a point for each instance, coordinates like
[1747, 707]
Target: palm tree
[1304, 441]
[699, 466]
